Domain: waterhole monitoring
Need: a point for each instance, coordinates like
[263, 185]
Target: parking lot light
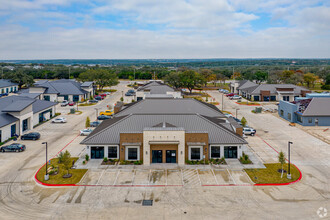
[46, 176]
[289, 174]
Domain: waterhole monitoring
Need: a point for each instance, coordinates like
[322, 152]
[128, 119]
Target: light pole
[236, 112]
[46, 176]
[96, 109]
[289, 174]
[222, 102]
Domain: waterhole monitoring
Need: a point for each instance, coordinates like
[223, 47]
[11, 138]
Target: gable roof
[62, 87]
[318, 107]
[156, 88]
[247, 84]
[272, 88]
[6, 83]
[171, 106]
[191, 123]
[86, 84]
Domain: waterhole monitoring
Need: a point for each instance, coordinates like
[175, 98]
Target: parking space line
[231, 176]
[133, 176]
[97, 183]
[149, 177]
[214, 176]
[114, 182]
[82, 179]
[182, 178]
[200, 182]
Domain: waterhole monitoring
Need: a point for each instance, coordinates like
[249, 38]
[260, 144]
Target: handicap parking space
[240, 177]
[207, 177]
[141, 177]
[223, 177]
[174, 177]
[124, 177]
[157, 177]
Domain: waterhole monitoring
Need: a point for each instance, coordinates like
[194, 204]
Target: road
[21, 198]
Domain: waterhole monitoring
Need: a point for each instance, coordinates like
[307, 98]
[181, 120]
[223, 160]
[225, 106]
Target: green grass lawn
[87, 104]
[248, 103]
[271, 175]
[77, 174]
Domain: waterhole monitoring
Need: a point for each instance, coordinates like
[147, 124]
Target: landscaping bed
[271, 174]
[247, 103]
[128, 162]
[54, 178]
[87, 104]
[107, 161]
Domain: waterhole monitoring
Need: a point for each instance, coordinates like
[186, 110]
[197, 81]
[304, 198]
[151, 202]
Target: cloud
[55, 29]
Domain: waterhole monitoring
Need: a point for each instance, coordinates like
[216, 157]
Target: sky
[164, 29]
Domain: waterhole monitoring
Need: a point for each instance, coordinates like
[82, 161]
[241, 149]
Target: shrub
[87, 157]
[60, 157]
[57, 113]
[105, 159]
[84, 162]
[122, 99]
[88, 122]
[244, 122]
[244, 159]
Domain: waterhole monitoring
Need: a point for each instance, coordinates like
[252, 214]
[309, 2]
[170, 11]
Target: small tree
[121, 99]
[60, 157]
[281, 159]
[244, 122]
[67, 161]
[88, 122]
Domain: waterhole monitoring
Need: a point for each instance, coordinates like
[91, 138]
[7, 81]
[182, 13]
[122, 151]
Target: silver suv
[250, 131]
[64, 103]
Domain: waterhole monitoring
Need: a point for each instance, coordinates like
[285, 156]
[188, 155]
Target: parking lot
[165, 177]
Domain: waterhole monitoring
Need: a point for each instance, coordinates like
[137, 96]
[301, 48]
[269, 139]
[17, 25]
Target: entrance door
[157, 156]
[97, 152]
[76, 98]
[13, 130]
[25, 124]
[230, 152]
[171, 156]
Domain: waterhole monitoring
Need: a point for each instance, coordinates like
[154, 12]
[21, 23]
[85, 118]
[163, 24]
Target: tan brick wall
[130, 138]
[197, 137]
[239, 131]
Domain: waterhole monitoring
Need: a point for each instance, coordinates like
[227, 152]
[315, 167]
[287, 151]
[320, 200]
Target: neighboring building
[235, 84]
[307, 112]
[6, 86]
[20, 114]
[165, 131]
[155, 88]
[269, 92]
[63, 89]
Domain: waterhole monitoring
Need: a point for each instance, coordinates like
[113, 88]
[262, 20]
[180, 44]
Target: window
[289, 116]
[256, 98]
[310, 120]
[281, 112]
[132, 153]
[113, 152]
[299, 118]
[273, 98]
[195, 153]
[215, 151]
[286, 98]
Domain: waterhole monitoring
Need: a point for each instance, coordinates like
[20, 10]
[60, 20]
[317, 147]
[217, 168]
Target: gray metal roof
[156, 88]
[158, 96]
[137, 123]
[272, 88]
[318, 107]
[19, 103]
[30, 95]
[246, 85]
[86, 84]
[62, 87]
[171, 106]
[6, 83]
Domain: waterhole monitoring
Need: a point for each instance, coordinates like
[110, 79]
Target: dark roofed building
[165, 131]
[6, 86]
[154, 89]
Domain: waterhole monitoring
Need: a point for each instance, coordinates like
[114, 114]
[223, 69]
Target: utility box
[258, 109]
[72, 111]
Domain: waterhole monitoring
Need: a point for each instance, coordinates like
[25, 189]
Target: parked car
[227, 115]
[107, 93]
[103, 95]
[128, 94]
[98, 98]
[71, 103]
[131, 91]
[93, 101]
[59, 120]
[15, 147]
[31, 136]
[230, 94]
[64, 103]
[107, 112]
[235, 97]
[94, 124]
[103, 117]
[85, 132]
[250, 131]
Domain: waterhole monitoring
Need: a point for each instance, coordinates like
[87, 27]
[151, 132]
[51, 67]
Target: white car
[107, 93]
[64, 103]
[85, 132]
[250, 131]
[235, 97]
[59, 120]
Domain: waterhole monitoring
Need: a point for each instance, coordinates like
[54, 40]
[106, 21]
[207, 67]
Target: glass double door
[97, 152]
[230, 152]
[159, 157]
